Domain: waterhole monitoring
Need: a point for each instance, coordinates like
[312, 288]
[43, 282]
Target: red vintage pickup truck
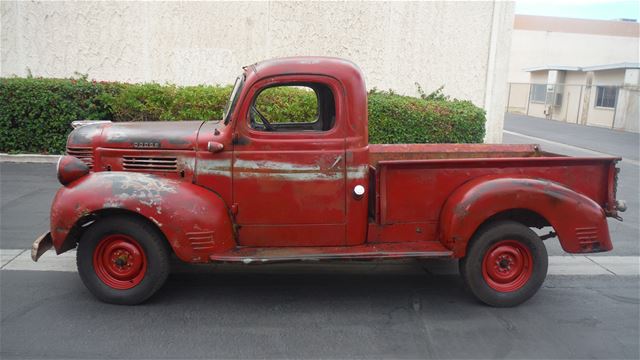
[254, 189]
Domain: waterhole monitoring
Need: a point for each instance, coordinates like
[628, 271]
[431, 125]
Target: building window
[606, 96]
[538, 93]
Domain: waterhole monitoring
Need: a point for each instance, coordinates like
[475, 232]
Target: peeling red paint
[265, 196]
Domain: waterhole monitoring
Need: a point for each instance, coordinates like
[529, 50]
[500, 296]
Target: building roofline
[624, 65]
[553, 67]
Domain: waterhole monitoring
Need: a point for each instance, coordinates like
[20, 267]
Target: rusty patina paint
[390, 152]
[175, 135]
[567, 211]
[181, 211]
[268, 196]
[71, 168]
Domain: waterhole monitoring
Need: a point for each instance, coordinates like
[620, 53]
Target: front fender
[194, 220]
[580, 222]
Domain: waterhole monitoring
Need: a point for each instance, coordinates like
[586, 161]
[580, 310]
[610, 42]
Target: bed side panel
[415, 191]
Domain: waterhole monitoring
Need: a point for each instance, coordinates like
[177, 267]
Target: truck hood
[165, 135]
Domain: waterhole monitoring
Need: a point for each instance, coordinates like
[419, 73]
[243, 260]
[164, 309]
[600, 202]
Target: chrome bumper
[40, 246]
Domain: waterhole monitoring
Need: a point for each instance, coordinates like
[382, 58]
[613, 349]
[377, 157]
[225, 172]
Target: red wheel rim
[119, 261]
[507, 266]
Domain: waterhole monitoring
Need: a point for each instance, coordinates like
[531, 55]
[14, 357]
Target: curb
[559, 265]
[29, 158]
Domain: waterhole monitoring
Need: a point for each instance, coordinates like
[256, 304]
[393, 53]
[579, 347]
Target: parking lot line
[7, 255]
[570, 265]
[567, 146]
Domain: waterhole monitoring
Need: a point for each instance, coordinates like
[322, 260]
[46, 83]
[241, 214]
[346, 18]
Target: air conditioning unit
[557, 101]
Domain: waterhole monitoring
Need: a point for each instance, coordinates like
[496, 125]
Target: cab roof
[339, 68]
[354, 91]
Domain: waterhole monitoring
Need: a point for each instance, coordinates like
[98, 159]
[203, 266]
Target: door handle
[214, 147]
[336, 162]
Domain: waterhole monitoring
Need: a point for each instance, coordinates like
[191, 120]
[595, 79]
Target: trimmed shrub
[288, 104]
[155, 102]
[395, 119]
[35, 113]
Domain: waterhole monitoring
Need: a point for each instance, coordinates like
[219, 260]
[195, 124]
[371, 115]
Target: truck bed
[412, 182]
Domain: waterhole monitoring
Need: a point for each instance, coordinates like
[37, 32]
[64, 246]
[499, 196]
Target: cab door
[289, 164]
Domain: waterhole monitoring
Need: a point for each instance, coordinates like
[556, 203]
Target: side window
[293, 107]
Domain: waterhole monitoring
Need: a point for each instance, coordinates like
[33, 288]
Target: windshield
[233, 99]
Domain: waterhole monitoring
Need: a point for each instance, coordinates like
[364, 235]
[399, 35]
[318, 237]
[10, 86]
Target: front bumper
[41, 245]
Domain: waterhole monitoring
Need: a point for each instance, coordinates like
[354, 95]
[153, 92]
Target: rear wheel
[122, 260]
[505, 265]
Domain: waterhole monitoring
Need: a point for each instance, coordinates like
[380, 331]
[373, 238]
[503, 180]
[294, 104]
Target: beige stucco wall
[609, 77]
[538, 77]
[574, 77]
[461, 45]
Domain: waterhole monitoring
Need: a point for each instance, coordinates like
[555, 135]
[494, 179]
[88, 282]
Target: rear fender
[195, 221]
[580, 222]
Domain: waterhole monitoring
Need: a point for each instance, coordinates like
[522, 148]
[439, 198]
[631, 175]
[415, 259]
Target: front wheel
[122, 260]
[505, 265]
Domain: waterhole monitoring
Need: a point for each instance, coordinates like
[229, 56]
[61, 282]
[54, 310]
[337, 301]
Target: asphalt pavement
[353, 310]
[26, 193]
[312, 311]
[603, 140]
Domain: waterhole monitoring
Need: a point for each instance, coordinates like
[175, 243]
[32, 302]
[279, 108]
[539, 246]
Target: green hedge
[288, 104]
[395, 119]
[36, 113]
[153, 102]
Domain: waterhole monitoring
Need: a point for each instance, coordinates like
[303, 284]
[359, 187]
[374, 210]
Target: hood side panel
[173, 135]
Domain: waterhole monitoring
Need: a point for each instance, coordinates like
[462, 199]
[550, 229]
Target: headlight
[70, 168]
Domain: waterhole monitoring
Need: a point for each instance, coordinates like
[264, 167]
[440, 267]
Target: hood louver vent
[83, 153]
[147, 163]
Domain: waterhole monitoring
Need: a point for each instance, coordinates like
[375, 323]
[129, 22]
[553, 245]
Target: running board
[249, 255]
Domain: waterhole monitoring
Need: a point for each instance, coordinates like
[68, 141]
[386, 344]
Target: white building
[576, 70]
[461, 45]
[601, 95]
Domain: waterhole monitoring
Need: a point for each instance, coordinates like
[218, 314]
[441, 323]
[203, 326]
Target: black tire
[507, 244]
[150, 245]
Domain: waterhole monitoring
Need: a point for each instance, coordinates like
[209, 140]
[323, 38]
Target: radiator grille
[83, 153]
[146, 163]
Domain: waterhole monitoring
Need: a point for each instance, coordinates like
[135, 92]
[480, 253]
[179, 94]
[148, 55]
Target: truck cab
[292, 177]
[259, 186]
